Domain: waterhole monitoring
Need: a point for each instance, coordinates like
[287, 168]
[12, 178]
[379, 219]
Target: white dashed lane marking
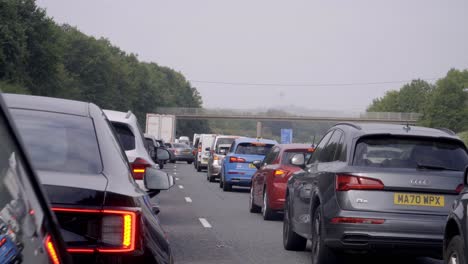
[177, 179]
[204, 223]
[181, 186]
[188, 199]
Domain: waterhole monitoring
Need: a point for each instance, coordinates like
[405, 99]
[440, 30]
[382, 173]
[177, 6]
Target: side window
[271, 156]
[115, 139]
[340, 154]
[319, 148]
[328, 153]
[232, 147]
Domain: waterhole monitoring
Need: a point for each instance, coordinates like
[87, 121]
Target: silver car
[218, 151]
[371, 188]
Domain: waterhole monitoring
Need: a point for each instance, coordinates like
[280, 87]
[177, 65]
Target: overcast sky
[286, 43]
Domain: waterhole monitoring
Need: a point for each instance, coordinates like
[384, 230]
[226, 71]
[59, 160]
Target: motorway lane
[227, 233]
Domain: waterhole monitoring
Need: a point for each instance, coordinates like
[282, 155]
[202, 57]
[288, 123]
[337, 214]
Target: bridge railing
[221, 112]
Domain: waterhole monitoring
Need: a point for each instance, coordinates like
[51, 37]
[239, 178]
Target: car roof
[48, 104]
[398, 130]
[252, 140]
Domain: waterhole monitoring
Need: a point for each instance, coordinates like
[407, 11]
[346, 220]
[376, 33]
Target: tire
[455, 251]
[253, 208]
[198, 168]
[321, 254]
[267, 213]
[189, 162]
[161, 165]
[172, 161]
[227, 187]
[221, 181]
[211, 178]
[291, 240]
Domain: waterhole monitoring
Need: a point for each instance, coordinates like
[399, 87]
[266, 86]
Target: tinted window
[272, 155]
[320, 147]
[395, 152]
[328, 153]
[126, 137]
[341, 150]
[253, 148]
[59, 142]
[287, 155]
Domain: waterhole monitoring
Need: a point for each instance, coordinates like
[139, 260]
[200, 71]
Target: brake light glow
[139, 168]
[236, 160]
[459, 188]
[51, 250]
[350, 182]
[118, 230]
[353, 220]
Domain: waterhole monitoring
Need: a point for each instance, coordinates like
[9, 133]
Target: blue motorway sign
[286, 136]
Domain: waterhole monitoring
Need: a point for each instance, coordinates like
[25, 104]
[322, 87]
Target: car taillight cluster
[139, 168]
[2, 242]
[346, 182]
[236, 160]
[51, 250]
[113, 231]
[459, 188]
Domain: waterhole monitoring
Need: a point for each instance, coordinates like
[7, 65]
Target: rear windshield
[253, 148]
[176, 145]
[126, 137]
[222, 144]
[59, 142]
[287, 155]
[410, 153]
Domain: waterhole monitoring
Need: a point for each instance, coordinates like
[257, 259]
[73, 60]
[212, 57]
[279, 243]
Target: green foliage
[40, 57]
[441, 105]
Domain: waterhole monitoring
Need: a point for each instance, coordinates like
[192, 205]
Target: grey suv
[370, 188]
[456, 230]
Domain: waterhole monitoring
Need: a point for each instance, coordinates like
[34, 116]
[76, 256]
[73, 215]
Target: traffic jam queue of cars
[374, 189]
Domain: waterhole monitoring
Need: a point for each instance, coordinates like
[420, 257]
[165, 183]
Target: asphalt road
[206, 225]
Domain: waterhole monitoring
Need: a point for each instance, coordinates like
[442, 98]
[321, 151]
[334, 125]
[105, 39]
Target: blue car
[237, 168]
[9, 252]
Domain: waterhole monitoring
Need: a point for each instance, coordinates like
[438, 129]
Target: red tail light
[351, 182]
[352, 220]
[2, 242]
[460, 188]
[117, 230]
[51, 250]
[139, 168]
[280, 173]
[236, 160]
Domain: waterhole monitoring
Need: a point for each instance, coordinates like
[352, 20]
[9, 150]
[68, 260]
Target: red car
[268, 191]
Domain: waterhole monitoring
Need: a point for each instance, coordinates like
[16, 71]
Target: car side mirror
[157, 180]
[257, 164]
[298, 160]
[163, 154]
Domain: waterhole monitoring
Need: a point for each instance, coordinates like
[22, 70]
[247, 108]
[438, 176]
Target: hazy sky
[287, 43]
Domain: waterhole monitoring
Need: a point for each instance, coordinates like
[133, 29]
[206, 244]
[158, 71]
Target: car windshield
[59, 142]
[253, 148]
[394, 152]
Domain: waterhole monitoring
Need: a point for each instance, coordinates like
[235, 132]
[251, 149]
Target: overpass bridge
[280, 115]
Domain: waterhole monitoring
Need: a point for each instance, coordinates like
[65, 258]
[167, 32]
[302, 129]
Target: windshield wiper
[434, 167]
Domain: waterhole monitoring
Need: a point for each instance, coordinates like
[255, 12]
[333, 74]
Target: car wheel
[189, 162]
[253, 208]
[321, 254]
[454, 253]
[198, 168]
[267, 212]
[211, 178]
[221, 181]
[291, 240]
[161, 165]
[227, 187]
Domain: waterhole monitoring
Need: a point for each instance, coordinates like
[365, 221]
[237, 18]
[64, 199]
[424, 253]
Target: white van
[204, 145]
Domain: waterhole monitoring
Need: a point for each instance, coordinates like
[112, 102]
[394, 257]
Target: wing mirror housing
[162, 154]
[298, 160]
[257, 164]
[157, 180]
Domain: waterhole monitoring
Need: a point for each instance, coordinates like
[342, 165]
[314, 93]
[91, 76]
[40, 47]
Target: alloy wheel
[316, 235]
[453, 258]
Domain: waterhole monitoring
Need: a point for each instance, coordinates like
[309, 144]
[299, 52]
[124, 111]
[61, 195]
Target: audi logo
[419, 182]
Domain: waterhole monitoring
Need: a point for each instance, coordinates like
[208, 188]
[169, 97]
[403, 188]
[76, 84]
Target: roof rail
[128, 115]
[349, 124]
[446, 130]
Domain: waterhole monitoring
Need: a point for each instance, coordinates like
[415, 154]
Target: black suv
[372, 187]
[456, 230]
[28, 230]
[104, 216]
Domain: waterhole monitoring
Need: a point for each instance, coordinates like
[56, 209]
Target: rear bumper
[420, 235]
[239, 177]
[215, 171]
[188, 157]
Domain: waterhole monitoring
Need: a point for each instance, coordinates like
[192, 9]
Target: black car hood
[64, 188]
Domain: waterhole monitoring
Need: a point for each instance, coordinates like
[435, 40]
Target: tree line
[40, 57]
[442, 104]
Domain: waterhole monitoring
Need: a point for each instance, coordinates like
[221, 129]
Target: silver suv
[218, 151]
[133, 142]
